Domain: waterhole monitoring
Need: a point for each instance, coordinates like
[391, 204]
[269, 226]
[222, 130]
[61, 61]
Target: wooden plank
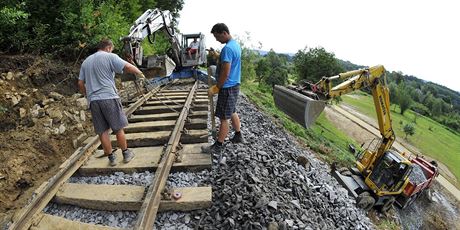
[168, 109]
[161, 137]
[101, 196]
[147, 159]
[59, 223]
[165, 116]
[129, 197]
[193, 198]
[204, 91]
[169, 102]
[201, 91]
[151, 126]
[200, 96]
[176, 97]
[193, 162]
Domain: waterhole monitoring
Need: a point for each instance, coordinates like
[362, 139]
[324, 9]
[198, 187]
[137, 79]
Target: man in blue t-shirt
[97, 82]
[228, 87]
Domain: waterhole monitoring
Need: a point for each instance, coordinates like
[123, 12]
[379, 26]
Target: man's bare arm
[81, 87]
[130, 68]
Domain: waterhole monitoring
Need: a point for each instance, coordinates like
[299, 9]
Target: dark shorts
[108, 114]
[226, 102]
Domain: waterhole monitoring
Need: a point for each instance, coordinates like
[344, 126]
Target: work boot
[128, 155]
[214, 148]
[237, 138]
[112, 159]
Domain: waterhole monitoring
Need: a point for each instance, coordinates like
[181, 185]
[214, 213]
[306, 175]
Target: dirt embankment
[40, 115]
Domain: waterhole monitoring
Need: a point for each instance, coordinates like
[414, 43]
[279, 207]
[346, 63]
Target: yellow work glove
[140, 75]
[213, 90]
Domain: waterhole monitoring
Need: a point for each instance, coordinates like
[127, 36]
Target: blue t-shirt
[98, 73]
[231, 53]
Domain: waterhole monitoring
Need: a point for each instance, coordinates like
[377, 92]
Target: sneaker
[128, 155]
[214, 148]
[237, 138]
[112, 159]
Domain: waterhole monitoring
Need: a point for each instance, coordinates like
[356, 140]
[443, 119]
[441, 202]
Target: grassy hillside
[322, 137]
[431, 138]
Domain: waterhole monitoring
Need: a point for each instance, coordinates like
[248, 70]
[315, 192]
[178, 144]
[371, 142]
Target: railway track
[166, 130]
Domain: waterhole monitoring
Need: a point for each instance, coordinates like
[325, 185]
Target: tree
[248, 57]
[437, 107]
[277, 73]
[393, 93]
[428, 101]
[404, 101]
[404, 98]
[69, 29]
[277, 76]
[409, 129]
[315, 63]
[262, 69]
[12, 28]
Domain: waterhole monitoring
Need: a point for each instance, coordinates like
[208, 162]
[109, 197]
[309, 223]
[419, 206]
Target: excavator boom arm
[374, 78]
[151, 21]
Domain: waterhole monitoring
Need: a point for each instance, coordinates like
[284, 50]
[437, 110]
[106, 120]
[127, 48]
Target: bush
[409, 130]
[13, 24]
[420, 109]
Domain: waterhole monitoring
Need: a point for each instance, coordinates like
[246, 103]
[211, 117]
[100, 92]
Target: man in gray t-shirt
[97, 82]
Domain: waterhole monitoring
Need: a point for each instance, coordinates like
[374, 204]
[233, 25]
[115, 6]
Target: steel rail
[151, 204]
[25, 218]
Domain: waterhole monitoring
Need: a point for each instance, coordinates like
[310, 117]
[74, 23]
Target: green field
[323, 137]
[431, 138]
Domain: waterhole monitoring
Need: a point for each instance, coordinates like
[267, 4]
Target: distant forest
[409, 92]
[423, 97]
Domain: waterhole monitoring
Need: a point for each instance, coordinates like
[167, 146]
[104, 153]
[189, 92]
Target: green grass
[3, 109]
[322, 137]
[385, 224]
[431, 138]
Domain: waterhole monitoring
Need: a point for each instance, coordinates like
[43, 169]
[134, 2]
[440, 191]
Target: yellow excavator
[380, 175]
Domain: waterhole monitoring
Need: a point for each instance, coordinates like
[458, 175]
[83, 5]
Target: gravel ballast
[270, 182]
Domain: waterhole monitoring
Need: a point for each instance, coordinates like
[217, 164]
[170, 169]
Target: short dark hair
[220, 28]
[104, 43]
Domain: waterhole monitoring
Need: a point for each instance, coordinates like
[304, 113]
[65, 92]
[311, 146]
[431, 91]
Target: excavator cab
[192, 56]
[389, 174]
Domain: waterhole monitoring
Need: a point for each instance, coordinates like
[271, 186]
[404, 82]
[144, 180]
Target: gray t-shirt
[98, 73]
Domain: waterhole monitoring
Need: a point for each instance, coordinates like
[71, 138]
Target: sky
[419, 38]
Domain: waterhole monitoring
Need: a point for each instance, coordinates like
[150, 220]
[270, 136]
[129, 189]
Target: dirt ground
[440, 210]
[39, 119]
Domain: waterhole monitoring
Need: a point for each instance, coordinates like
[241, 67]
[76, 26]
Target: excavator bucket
[303, 109]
